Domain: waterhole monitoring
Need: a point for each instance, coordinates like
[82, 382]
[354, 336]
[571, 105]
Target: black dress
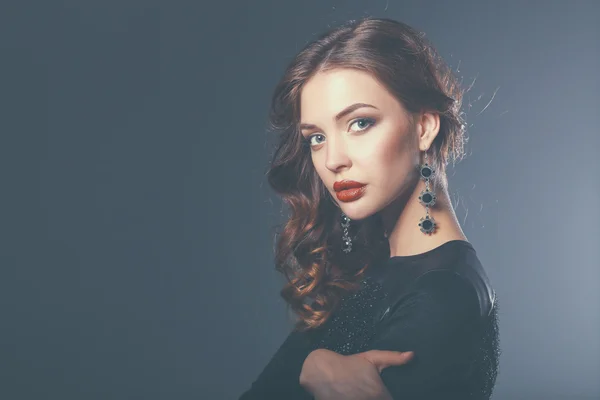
[439, 304]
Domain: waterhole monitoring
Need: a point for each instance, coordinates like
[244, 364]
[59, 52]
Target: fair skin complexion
[328, 375]
[379, 145]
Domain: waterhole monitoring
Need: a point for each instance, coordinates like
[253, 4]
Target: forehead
[327, 92]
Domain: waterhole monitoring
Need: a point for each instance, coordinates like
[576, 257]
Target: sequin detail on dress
[351, 326]
[486, 356]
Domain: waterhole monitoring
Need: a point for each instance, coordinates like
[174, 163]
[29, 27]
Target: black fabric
[439, 304]
[280, 378]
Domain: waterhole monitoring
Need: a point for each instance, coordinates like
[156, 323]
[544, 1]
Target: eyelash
[370, 121]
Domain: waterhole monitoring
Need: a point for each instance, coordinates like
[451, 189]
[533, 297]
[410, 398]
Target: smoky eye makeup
[368, 122]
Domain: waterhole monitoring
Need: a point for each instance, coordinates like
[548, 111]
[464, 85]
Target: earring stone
[427, 198]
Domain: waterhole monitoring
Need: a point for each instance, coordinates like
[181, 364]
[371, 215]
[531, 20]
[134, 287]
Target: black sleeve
[431, 320]
[280, 379]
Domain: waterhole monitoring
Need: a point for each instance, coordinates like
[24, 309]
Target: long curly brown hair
[308, 249]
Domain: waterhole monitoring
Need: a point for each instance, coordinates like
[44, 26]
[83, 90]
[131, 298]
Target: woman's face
[374, 145]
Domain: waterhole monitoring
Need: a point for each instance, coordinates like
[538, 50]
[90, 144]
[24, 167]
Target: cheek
[321, 171]
[386, 155]
[391, 164]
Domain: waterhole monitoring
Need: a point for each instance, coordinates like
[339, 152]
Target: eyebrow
[341, 114]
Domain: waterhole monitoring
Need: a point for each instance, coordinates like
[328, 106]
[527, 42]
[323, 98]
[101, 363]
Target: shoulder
[459, 267]
[452, 272]
[462, 282]
[437, 304]
[447, 291]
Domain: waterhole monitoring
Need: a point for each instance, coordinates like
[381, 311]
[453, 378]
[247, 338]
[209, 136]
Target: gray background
[137, 225]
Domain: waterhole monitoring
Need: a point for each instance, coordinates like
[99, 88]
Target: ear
[428, 126]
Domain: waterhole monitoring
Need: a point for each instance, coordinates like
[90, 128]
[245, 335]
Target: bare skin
[384, 153]
[380, 145]
[328, 375]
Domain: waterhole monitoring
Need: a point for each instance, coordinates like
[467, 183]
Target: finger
[385, 358]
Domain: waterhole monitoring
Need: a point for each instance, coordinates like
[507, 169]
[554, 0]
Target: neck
[401, 221]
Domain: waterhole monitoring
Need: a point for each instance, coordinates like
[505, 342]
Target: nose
[337, 156]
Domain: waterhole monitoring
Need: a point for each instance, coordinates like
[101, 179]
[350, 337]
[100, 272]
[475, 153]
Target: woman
[391, 299]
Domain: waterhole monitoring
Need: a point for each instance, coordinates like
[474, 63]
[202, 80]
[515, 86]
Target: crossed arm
[329, 375]
[429, 322]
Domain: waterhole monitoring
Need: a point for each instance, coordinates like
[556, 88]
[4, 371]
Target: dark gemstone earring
[346, 240]
[427, 198]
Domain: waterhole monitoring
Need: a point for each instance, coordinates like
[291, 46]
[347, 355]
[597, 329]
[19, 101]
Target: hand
[330, 376]
[382, 359]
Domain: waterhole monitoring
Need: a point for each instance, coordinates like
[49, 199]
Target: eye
[308, 139]
[365, 122]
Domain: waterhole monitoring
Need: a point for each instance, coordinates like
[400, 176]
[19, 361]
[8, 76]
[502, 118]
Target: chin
[357, 212]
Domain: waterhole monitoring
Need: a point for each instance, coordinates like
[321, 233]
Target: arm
[279, 379]
[430, 320]
[328, 375]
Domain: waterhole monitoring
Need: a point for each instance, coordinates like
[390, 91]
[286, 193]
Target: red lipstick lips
[347, 190]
